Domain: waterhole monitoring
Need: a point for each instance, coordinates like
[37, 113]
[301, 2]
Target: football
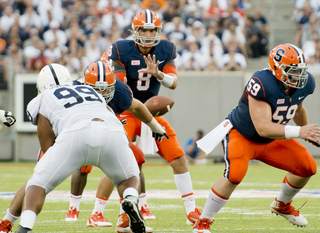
[159, 105]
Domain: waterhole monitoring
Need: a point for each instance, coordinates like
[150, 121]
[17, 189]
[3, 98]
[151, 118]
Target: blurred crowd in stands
[307, 17]
[209, 34]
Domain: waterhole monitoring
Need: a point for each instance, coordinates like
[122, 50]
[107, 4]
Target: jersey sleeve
[122, 98]
[255, 88]
[33, 109]
[118, 67]
[114, 53]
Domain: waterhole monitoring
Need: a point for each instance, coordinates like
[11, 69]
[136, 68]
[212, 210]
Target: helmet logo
[279, 54]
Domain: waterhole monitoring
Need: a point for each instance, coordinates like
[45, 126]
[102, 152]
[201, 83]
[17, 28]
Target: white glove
[7, 118]
[158, 131]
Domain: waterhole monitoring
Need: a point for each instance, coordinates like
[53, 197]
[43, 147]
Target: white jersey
[70, 107]
[80, 141]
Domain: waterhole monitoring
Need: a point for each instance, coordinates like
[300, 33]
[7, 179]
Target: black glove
[317, 143]
[159, 137]
[124, 122]
[7, 118]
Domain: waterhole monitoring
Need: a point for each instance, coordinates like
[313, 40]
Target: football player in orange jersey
[105, 187]
[147, 62]
[258, 129]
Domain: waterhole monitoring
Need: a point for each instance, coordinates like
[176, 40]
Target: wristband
[167, 80]
[291, 131]
[156, 127]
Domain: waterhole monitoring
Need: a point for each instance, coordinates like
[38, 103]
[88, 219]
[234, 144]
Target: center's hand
[152, 66]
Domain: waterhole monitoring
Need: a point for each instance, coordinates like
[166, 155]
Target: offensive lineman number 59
[254, 88]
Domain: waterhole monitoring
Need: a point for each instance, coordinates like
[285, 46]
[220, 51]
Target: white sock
[142, 200]
[10, 217]
[75, 201]
[99, 204]
[184, 185]
[213, 204]
[130, 192]
[28, 218]
[287, 191]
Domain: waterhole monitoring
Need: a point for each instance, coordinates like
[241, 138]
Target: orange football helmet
[146, 19]
[99, 75]
[288, 64]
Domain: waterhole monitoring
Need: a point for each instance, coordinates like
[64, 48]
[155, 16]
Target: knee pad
[86, 169]
[36, 183]
[138, 154]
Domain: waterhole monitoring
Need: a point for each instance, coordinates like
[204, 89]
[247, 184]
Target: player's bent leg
[14, 211]
[105, 188]
[16, 203]
[78, 183]
[290, 186]
[183, 182]
[143, 206]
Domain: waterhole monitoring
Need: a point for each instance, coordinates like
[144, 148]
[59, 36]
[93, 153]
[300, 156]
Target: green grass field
[249, 214]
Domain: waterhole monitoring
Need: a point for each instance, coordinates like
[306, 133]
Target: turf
[238, 215]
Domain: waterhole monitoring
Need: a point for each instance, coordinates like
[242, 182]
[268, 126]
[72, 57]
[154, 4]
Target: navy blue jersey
[126, 52]
[265, 86]
[122, 98]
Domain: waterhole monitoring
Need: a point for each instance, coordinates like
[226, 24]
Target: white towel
[214, 137]
[147, 143]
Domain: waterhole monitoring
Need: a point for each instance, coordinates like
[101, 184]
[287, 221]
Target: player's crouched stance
[257, 129]
[93, 136]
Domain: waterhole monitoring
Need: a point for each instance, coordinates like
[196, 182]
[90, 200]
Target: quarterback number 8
[253, 87]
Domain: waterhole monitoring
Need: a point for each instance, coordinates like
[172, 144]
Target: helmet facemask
[100, 77]
[294, 76]
[145, 41]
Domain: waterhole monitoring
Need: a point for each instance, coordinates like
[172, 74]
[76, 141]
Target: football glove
[124, 122]
[317, 143]
[7, 118]
[159, 136]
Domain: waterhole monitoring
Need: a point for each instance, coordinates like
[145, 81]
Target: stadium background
[202, 99]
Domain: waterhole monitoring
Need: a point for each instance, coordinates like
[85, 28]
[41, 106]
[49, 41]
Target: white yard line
[174, 194]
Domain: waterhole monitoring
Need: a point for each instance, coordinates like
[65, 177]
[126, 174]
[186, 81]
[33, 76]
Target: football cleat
[97, 220]
[72, 214]
[146, 214]
[202, 225]
[123, 225]
[5, 226]
[289, 212]
[23, 230]
[193, 216]
[130, 207]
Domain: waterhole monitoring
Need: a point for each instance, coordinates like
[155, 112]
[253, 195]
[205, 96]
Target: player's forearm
[140, 111]
[301, 116]
[168, 80]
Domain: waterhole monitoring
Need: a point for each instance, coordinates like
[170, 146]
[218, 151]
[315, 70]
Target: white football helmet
[52, 75]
